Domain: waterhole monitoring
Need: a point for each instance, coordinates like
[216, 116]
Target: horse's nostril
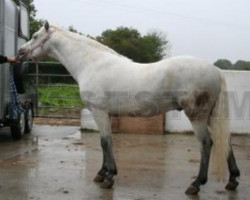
[21, 51]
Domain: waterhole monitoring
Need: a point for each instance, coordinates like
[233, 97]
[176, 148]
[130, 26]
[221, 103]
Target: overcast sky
[209, 29]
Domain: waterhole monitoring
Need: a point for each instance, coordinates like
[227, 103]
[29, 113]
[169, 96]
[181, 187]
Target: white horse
[111, 84]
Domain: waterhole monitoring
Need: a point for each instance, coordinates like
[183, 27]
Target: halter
[42, 43]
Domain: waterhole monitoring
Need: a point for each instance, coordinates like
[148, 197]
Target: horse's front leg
[108, 169]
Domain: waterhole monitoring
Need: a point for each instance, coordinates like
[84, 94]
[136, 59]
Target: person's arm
[4, 59]
[12, 60]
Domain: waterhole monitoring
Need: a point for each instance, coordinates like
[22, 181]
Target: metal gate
[58, 92]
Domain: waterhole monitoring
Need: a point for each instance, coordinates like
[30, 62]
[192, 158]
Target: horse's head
[37, 47]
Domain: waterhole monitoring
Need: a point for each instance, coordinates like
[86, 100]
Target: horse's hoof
[232, 185]
[107, 184]
[192, 190]
[99, 179]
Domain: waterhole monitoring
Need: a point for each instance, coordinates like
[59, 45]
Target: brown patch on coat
[195, 105]
[201, 99]
[188, 106]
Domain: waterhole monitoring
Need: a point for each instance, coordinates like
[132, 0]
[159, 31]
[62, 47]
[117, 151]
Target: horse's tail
[219, 129]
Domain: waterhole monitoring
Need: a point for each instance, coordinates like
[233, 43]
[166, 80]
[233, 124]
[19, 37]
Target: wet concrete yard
[59, 163]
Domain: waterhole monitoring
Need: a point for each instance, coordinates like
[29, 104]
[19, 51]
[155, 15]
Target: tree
[35, 24]
[223, 64]
[130, 43]
[123, 40]
[30, 5]
[226, 64]
[153, 47]
[242, 65]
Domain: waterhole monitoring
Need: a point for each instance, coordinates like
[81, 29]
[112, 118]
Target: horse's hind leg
[234, 171]
[108, 169]
[203, 135]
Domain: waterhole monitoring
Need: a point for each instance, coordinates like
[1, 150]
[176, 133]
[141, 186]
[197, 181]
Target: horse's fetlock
[235, 173]
[203, 180]
[102, 172]
[113, 171]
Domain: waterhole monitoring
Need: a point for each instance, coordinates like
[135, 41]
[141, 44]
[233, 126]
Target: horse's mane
[87, 40]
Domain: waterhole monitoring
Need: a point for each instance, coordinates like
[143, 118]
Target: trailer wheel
[28, 119]
[18, 127]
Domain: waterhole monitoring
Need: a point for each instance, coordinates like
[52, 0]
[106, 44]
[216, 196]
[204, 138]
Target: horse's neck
[78, 54]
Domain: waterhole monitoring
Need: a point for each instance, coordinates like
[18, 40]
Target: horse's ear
[46, 25]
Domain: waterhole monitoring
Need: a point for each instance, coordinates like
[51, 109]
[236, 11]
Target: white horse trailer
[14, 32]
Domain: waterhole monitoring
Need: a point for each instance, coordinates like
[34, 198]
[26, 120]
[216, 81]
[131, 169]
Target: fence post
[37, 74]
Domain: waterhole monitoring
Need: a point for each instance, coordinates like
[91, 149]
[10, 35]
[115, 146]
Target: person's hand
[12, 60]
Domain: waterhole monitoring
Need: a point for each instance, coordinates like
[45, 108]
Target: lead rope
[15, 107]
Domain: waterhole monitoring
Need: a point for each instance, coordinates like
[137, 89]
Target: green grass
[60, 95]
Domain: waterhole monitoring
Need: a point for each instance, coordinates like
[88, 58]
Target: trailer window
[24, 22]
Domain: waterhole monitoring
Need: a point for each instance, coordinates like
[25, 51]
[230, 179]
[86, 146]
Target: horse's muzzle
[22, 53]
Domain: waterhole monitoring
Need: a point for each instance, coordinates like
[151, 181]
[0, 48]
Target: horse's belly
[141, 108]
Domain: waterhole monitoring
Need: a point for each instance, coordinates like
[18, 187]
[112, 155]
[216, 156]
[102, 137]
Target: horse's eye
[35, 37]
